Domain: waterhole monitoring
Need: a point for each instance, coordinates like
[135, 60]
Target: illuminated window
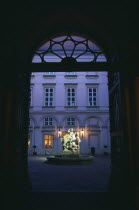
[48, 121]
[49, 96]
[48, 141]
[92, 96]
[71, 96]
[70, 121]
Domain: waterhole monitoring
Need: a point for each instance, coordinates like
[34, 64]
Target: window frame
[44, 139]
[71, 97]
[53, 102]
[71, 124]
[48, 121]
[50, 73]
[93, 97]
[70, 73]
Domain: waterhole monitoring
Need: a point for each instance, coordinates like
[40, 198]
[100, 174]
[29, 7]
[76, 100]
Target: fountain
[71, 150]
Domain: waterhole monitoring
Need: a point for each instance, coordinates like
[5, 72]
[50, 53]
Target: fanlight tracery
[69, 49]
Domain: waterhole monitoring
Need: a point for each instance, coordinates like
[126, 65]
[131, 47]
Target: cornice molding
[70, 76]
[48, 84]
[92, 76]
[70, 83]
[49, 76]
[91, 83]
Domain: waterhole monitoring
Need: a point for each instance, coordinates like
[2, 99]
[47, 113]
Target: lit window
[48, 141]
[92, 96]
[50, 73]
[70, 121]
[48, 121]
[49, 96]
[71, 97]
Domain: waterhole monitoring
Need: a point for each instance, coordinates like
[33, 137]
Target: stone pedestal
[69, 153]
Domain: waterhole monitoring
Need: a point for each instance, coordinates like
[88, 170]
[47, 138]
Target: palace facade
[63, 100]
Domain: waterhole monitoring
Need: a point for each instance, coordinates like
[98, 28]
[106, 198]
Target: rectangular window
[30, 97]
[48, 121]
[70, 121]
[49, 96]
[48, 141]
[71, 96]
[50, 73]
[92, 96]
[71, 73]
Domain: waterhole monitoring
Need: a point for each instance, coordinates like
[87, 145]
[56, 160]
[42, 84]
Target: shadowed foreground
[90, 177]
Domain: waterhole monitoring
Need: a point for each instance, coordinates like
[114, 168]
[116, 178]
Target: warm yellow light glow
[82, 132]
[48, 141]
[59, 133]
[46, 136]
[28, 143]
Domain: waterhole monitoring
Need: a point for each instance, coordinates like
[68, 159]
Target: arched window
[69, 49]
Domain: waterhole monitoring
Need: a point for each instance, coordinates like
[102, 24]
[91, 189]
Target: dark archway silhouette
[101, 22]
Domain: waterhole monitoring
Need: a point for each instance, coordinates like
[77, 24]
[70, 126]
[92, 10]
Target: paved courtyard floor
[91, 177]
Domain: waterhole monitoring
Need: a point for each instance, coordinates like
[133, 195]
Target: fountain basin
[63, 159]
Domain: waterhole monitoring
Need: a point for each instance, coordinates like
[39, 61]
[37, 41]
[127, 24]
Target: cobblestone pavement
[89, 177]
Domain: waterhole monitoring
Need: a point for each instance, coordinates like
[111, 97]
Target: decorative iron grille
[69, 49]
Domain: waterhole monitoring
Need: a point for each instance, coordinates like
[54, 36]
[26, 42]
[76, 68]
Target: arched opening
[111, 29]
[69, 49]
[88, 114]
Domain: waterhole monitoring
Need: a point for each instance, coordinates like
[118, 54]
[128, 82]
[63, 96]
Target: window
[49, 96]
[69, 49]
[30, 97]
[48, 121]
[50, 73]
[48, 141]
[70, 121]
[71, 73]
[71, 100]
[92, 96]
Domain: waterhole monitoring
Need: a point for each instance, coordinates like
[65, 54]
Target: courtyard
[89, 177]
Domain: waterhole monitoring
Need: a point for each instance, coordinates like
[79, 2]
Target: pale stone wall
[94, 120]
